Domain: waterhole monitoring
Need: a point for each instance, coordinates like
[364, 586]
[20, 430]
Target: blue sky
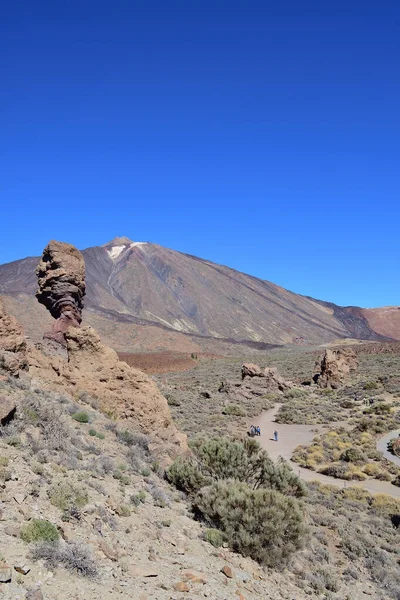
[261, 135]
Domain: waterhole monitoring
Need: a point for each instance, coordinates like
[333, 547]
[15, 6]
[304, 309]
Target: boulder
[251, 370]
[335, 367]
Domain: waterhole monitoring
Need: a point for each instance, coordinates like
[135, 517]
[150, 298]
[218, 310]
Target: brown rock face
[12, 343]
[61, 279]
[250, 370]
[273, 381]
[335, 367]
[255, 382]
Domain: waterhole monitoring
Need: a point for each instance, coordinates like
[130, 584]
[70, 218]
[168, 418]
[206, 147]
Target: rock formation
[12, 343]
[61, 279]
[91, 367]
[255, 382]
[251, 370]
[335, 367]
[272, 380]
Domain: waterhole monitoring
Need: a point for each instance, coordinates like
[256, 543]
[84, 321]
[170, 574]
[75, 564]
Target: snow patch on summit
[115, 251]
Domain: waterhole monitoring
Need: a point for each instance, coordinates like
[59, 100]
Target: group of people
[255, 430]
[368, 401]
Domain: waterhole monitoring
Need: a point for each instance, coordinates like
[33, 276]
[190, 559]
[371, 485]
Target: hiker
[258, 430]
[252, 430]
[275, 435]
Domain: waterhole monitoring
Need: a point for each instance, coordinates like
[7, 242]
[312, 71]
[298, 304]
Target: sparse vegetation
[73, 556]
[81, 417]
[39, 530]
[64, 495]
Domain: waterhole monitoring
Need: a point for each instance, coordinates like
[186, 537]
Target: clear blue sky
[261, 135]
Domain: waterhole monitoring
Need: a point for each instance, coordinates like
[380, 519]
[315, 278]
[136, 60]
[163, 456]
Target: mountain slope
[139, 284]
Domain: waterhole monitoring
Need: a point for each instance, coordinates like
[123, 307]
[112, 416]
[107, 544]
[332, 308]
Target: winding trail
[290, 436]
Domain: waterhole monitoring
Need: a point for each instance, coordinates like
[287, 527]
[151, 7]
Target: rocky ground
[123, 531]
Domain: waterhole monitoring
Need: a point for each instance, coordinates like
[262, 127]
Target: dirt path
[290, 436]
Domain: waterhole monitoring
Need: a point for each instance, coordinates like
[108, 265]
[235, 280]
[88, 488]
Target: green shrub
[354, 455]
[100, 435]
[214, 537]
[185, 474]
[235, 410]
[261, 523]
[222, 459]
[92, 432]
[378, 409]
[66, 495]
[371, 385]
[39, 530]
[81, 417]
[334, 470]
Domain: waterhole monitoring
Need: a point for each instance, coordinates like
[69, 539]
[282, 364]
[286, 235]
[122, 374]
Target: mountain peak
[119, 241]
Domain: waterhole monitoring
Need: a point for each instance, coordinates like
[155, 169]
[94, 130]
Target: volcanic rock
[250, 370]
[335, 367]
[61, 279]
[255, 382]
[12, 343]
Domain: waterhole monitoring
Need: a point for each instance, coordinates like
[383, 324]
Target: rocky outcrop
[335, 367]
[12, 343]
[251, 370]
[255, 382]
[89, 366]
[273, 381]
[124, 393]
[61, 279]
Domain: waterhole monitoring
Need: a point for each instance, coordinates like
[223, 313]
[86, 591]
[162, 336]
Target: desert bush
[131, 438]
[354, 455]
[334, 470]
[371, 385]
[139, 498]
[73, 556]
[261, 523]
[215, 537]
[222, 459]
[378, 409]
[81, 417]
[160, 498]
[234, 409]
[185, 474]
[65, 495]
[39, 530]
